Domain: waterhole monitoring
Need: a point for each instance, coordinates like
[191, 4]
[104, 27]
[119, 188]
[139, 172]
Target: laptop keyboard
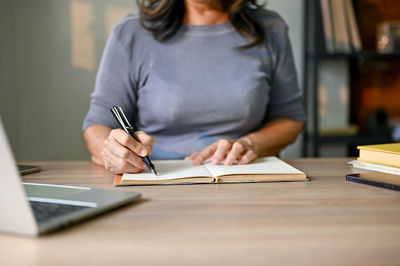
[45, 211]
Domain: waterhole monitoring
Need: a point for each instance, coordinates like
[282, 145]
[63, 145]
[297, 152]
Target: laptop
[33, 209]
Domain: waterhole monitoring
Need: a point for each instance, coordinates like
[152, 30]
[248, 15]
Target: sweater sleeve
[114, 84]
[286, 99]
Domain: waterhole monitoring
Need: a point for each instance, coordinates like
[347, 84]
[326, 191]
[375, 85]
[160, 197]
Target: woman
[201, 79]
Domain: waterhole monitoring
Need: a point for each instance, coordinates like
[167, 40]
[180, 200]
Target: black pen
[129, 129]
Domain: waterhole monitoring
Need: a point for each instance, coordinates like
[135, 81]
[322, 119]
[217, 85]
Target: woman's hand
[122, 154]
[228, 152]
[267, 141]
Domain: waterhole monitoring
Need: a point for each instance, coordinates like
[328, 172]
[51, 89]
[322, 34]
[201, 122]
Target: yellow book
[388, 154]
[266, 169]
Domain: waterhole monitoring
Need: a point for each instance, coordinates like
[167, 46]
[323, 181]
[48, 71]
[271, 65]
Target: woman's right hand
[122, 154]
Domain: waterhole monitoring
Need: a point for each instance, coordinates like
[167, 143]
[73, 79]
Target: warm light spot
[344, 96]
[323, 101]
[83, 53]
[113, 14]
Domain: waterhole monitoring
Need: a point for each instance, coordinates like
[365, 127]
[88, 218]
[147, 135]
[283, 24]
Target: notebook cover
[389, 147]
[118, 182]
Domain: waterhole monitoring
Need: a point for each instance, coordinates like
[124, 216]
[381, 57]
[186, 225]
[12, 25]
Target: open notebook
[264, 169]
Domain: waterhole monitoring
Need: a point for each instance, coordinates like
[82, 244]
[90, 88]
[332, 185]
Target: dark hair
[163, 18]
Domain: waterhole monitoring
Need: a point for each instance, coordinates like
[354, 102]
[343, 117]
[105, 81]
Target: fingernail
[196, 162]
[143, 152]
[228, 162]
[215, 161]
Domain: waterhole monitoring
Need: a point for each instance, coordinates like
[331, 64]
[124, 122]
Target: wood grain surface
[327, 221]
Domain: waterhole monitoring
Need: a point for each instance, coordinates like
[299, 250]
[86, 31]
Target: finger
[222, 149]
[119, 166]
[129, 142]
[191, 156]
[236, 151]
[248, 157]
[125, 154]
[146, 140]
[97, 160]
[109, 166]
[200, 157]
[113, 149]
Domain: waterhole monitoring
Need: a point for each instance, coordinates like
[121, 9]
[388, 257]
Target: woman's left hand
[228, 152]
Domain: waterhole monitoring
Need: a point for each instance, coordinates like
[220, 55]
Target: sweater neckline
[207, 29]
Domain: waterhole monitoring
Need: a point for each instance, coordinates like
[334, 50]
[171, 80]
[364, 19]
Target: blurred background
[49, 54]
[50, 51]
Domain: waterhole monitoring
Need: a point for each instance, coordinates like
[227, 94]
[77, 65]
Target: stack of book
[341, 31]
[381, 158]
[341, 36]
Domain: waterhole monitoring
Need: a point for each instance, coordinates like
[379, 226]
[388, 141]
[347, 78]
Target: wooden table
[326, 221]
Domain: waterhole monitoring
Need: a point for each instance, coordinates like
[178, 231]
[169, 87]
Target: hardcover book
[388, 154]
[377, 167]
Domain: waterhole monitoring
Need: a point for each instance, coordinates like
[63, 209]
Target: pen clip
[123, 122]
[123, 117]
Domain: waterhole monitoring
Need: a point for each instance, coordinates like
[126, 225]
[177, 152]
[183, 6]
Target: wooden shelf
[351, 139]
[361, 54]
[364, 68]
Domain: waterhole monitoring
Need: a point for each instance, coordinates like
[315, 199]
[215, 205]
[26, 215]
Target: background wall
[50, 50]
[8, 92]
